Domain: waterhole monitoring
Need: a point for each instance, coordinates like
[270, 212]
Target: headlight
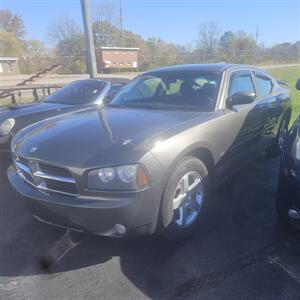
[127, 174]
[126, 177]
[106, 174]
[7, 126]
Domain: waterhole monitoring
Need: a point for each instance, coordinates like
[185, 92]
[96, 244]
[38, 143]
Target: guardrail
[36, 90]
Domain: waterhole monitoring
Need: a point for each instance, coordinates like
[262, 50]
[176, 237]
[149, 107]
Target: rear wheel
[184, 199]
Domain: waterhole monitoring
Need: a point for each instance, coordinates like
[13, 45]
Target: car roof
[215, 67]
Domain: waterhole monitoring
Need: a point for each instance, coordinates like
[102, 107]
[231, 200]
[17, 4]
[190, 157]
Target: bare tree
[106, 23]
[69, 48]
[12, 23]
[106, 12]
[63, 29]
[208, 37]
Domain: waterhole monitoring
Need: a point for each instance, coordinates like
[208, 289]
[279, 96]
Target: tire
[281, 208]
[179, 214]
[278, 144]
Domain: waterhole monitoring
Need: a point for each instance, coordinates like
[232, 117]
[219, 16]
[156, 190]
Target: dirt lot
[240, 253]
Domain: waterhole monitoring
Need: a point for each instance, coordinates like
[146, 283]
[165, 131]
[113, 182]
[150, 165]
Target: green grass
[290, 76]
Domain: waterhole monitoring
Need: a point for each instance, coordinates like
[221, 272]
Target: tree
[35, 48]
[63, 29]
[105, 25]
[106, 34]
[208, 38]
[69, 45]
[244, 47]
[67, 36]
[285, 52]
[226, 41]
[10, 45]
[107, 12]
[12, 23]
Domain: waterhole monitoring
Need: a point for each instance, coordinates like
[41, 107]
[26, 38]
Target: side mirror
[239, 98]
[298, 84]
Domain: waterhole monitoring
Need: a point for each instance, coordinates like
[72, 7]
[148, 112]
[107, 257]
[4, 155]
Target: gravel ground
[240, 252]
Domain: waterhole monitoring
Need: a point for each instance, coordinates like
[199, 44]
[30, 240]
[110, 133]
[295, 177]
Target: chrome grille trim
[41, 187]
[26, 173]
[22, 167]
[52, 177]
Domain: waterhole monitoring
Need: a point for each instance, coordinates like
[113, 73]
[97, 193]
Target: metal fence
[77, 64]
[26, 93]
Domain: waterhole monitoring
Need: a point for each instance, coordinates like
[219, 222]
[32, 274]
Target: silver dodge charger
[147, 161]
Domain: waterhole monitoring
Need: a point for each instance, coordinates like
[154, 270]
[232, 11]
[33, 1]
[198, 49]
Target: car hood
[25, 115]
[14, 111]
[99, 136]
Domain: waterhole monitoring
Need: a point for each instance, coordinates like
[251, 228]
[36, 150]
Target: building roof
[6, 58]
[120, 48]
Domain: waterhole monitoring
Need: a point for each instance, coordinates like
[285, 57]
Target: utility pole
[89, 41]
[121, 22]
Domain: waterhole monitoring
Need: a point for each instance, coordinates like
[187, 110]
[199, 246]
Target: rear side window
[242, 84]
[264, 85]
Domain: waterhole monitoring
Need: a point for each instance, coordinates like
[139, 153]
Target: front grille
[55, 171]
[64, 187]
[46, 177]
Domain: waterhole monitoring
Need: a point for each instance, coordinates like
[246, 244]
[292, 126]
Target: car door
[274, 104]
[245, 120]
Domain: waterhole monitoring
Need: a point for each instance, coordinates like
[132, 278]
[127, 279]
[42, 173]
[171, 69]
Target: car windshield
[171, 90]
[77, 92]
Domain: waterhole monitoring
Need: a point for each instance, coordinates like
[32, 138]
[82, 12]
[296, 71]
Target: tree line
[68, 48]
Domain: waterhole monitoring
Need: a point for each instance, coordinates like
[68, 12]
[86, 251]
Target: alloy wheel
[188, 199]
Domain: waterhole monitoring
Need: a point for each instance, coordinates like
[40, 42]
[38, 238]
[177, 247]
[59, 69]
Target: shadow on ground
[240, 252]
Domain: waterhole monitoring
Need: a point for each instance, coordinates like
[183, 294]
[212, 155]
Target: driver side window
[241, 83]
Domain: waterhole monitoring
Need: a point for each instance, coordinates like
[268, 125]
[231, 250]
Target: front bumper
[5, 142]
[101, 214]
[288, 194]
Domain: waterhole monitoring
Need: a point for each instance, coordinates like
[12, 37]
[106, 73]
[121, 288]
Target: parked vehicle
[73, 96]
[147, 161]
[288, 196]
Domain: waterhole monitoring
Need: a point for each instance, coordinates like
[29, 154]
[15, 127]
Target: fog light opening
[120, 229]
[294, 214]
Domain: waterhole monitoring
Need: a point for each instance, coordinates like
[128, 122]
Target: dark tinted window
[241, 83]
[77, 92]
[171, 90]
[264, 85]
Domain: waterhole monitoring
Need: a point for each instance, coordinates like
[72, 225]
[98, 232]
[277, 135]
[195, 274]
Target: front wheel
[184, 199]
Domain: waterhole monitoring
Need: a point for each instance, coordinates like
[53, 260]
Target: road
[240, 252]
[63, 79]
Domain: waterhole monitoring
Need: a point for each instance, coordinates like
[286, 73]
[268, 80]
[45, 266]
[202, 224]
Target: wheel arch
[200, 151]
